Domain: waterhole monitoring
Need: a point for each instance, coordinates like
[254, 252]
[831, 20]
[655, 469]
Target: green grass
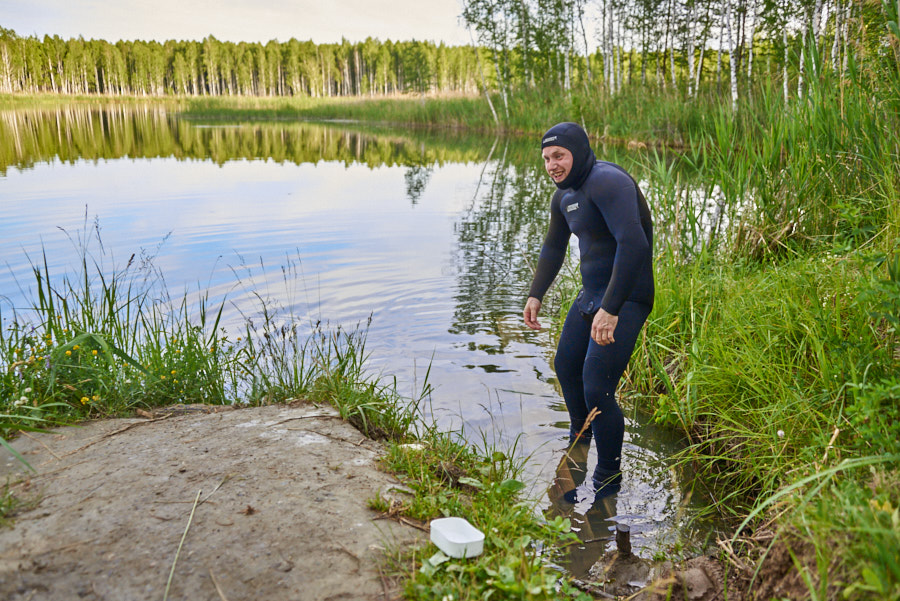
[758, 366]
[48, 100]
[774, 344]
[435, 111]
[479, 484]
[110, 340]
[107, 340]
[12, 504]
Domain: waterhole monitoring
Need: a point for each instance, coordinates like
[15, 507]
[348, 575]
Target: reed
[439, 111]
[773, 342]
[109, 340]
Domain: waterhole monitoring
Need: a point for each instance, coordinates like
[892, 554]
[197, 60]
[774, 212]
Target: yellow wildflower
[886, 507]
[76, 347]
[68, 353]
[173, 372]
[162, 377]
[94, 352]
[85, 400]
[95, 398]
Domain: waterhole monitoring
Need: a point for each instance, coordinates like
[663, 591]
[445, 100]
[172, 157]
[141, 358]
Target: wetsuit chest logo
[572, 207]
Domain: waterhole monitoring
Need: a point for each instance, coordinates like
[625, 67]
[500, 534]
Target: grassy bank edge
[785, 382]
[95, 345]
[852, 505]
[648, 121]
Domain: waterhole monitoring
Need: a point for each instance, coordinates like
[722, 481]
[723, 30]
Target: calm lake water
[432, 236]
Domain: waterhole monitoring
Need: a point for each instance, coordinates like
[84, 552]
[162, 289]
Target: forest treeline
[517, 44]
[218, 68]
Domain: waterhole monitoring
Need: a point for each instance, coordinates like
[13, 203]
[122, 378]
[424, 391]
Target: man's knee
[567, 370]
[601, 397]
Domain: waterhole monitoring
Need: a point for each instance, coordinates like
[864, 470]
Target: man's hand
[532, 307]
[603, 327]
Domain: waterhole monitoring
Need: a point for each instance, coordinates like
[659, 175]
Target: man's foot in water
[606, 482]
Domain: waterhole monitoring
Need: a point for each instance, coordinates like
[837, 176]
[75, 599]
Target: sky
[322, 21]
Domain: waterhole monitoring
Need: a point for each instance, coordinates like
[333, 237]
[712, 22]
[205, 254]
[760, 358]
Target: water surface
[430, 236]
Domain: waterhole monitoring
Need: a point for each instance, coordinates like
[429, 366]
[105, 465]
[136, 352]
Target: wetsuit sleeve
[553, 253]
[618, 203]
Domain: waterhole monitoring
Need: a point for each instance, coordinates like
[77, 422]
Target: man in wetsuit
[602, 205]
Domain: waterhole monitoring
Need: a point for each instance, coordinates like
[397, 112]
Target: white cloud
[238, 20]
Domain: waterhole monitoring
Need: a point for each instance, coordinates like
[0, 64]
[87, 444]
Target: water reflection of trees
[67, 134]
[501, 231]
[416, 178]
[498, 238]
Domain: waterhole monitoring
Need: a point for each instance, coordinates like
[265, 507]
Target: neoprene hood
[574, 139]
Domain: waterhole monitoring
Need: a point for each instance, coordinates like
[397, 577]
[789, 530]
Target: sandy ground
[282, 514]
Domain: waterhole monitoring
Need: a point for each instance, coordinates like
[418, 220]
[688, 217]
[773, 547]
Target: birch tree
[731, 55]
[488, 19]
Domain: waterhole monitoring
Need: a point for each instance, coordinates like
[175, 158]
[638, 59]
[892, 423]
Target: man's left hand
[603, 327]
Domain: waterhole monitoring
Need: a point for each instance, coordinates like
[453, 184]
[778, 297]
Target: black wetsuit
[606, 210]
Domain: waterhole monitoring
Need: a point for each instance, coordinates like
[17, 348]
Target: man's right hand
[532, 308]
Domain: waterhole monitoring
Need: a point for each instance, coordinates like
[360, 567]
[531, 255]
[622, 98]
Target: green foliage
[450, 479]
[98, 345]
[759, 366]
[851, 517]
[11, 504]
[219, 68]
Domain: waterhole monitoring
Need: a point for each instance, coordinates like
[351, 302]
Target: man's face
[557, 162]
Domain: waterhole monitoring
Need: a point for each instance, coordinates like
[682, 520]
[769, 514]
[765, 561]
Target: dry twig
[218, 588]
[591, 589]
[119, 431]
[587, 424]
[54, 550]
[830, 444]
[178, 552]
[658, 586]
[40, 442]
[384, 584]
[726, 546]
[318, 415]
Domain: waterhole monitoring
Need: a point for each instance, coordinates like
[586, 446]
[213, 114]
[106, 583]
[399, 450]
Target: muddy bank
[282, 511]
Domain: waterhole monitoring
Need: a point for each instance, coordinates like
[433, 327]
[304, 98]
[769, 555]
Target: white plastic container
[456, 537]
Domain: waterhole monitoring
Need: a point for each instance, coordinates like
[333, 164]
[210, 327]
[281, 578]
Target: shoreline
[787, 418]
